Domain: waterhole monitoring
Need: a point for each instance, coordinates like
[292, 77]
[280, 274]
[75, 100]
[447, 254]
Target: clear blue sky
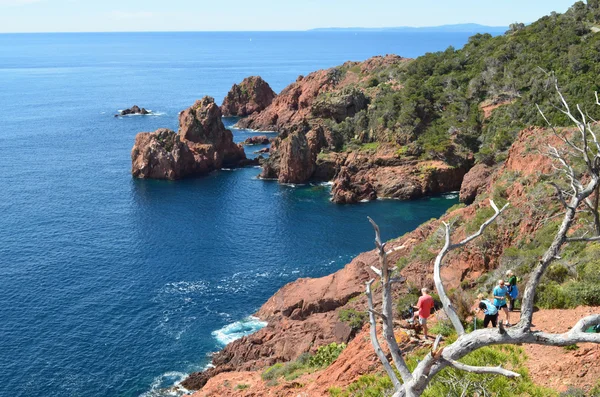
[200, 15]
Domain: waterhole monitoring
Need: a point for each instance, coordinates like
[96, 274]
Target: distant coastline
[457, 28]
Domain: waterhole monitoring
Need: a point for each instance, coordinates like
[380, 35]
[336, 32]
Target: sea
[112, 286]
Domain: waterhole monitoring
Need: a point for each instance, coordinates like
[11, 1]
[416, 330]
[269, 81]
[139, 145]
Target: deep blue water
[114, 286]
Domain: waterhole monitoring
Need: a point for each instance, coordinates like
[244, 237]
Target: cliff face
[307, 98]
[202, 145]
[310, 146]
[305, 314]
[252, 95]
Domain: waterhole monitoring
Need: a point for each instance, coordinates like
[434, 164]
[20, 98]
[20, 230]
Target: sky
[246, 15]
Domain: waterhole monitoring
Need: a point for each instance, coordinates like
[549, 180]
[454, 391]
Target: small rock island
[135, 109]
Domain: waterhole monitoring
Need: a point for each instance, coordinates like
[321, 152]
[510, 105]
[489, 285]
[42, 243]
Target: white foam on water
[237, 330]
[450, 196]
[167, 384]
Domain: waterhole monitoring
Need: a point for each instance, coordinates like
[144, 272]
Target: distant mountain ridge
[464, 27]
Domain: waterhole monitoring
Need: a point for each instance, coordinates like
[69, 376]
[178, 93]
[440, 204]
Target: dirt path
[557, 367]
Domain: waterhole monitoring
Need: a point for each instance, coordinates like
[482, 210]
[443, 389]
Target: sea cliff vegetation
[435, 106]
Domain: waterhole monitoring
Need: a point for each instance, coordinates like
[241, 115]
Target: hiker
[500, 292]
[513, 291]
[490, 311]
[424, 305]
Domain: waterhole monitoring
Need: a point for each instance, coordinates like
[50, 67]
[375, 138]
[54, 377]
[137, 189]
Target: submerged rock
[252, 95]
[203, 144]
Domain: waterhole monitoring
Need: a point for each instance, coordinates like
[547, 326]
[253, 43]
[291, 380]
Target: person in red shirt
[424, 305]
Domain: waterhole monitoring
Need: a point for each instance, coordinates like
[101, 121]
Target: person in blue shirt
[500, 292]
[490, 311]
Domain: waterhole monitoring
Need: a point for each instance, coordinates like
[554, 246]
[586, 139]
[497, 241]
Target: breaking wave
[237, 330]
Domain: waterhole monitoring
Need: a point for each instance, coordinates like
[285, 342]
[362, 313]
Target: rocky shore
[309, 148]
[305, 314]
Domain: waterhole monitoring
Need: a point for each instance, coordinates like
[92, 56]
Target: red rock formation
[294, 156]
[161, 155]
[367, 176]
[202, 145]
[295, 103]
[252, 95]
[474, 182]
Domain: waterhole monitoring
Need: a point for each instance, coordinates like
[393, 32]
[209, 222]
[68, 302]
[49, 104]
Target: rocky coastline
[305, 314]
[309, 147]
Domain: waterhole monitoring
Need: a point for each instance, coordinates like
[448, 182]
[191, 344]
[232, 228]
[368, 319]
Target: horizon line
[322, 29]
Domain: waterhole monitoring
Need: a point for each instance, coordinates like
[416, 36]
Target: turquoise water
[115, 286]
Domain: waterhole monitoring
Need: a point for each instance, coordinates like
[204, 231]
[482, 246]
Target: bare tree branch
[375, 342]
[483, 370]
[387, 308]
[448, 246]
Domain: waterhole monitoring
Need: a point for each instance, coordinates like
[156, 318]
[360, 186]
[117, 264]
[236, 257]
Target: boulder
[474, 182]
[201, 124]
[252, 95]
[161, 155]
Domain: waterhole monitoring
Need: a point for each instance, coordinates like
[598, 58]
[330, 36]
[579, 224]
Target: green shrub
[557, 272]
[582, 293]
[242, 386]
[353, 318]
[326, 355]
[273, 372]
[551, 296]
[370, 386]
[443, 328]
[595, 392]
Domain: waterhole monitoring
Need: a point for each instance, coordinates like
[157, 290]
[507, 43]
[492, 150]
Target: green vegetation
[242, 386]
[326, 355]
[452, 382]
[573, 281]
[437, 113]
[353, 318]
[306, 363]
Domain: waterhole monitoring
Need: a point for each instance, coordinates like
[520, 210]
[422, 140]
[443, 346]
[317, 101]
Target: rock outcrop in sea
[252, 95]
[202, 145]
[135, 109]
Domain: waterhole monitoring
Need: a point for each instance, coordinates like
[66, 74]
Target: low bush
[353, 318]
[326, 355]
[306, 363]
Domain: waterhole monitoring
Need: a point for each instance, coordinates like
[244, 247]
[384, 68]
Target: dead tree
[583, 148]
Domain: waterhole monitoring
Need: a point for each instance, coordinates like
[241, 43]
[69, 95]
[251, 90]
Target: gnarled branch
[483, 370]
[448, 246]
